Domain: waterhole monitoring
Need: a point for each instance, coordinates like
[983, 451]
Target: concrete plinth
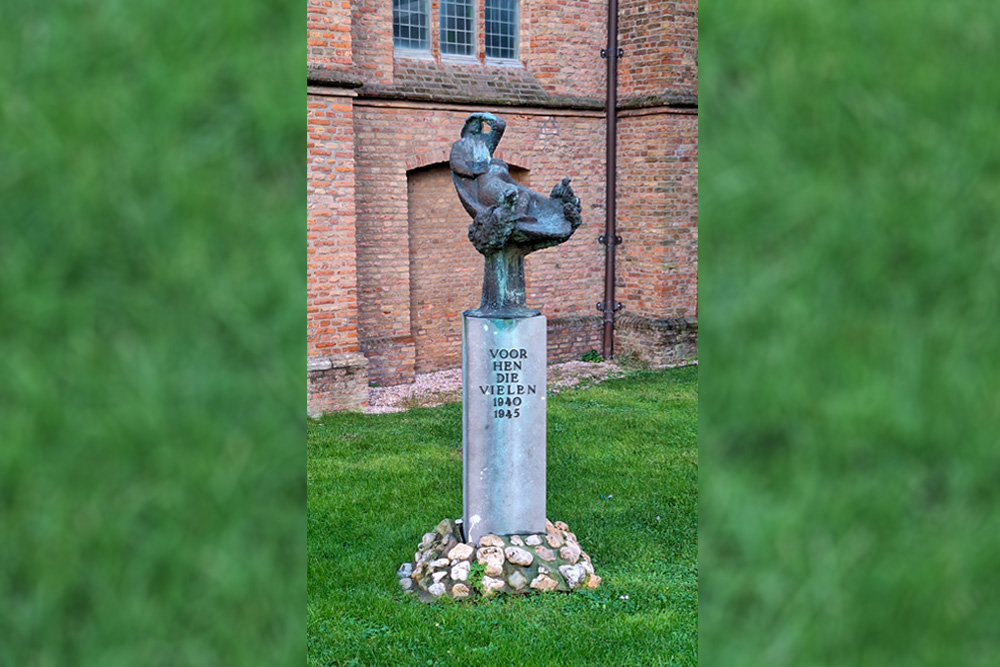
[503, 425]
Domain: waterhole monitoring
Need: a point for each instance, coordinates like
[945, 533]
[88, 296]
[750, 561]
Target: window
[457, 28]
[410, 24]
[501, 29]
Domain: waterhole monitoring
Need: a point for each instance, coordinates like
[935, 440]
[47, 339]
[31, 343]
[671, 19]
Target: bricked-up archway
[446, 272]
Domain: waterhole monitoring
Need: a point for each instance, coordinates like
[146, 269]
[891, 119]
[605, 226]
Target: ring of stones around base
[513, 564]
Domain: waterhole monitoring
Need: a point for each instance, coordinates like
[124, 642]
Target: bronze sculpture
[509, 220]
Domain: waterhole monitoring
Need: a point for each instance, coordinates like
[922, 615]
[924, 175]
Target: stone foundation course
[444, 566]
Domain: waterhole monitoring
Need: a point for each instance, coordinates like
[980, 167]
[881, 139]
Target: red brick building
[390, 270]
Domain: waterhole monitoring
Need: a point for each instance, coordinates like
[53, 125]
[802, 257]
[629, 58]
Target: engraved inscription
[508, 389]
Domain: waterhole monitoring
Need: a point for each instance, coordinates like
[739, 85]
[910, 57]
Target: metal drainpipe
[610, 239]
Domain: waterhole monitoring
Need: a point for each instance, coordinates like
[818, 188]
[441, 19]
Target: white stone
[516, 540]
[460, 552]
[440, 562]
[459, 591]
[561, 525]
[545, 553]
[405, 570]
[427, 541]
[490, 585]
[554, 540]
[570, 552]
[574, 574]
[490, 541]
[492, 558]
[436, 590]
[533, 540]
[438, 576]
[406, 583]
[518, 556]
[516, 580]
[460, 572]
[544, 582]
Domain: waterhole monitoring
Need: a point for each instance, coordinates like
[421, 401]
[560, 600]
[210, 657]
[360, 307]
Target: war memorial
[503, 542]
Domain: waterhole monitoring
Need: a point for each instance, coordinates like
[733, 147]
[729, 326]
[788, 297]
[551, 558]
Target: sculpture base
[503, 425]
[550, 560]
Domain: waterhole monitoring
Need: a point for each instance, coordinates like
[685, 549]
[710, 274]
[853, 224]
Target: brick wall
[332, 304]
[658, 213]
[446, 272]
[663, 341]
[390, 269]
[328, 38]
[559, 61]
[392, 138]
[371, 38]
[565, 39]
[444, 81]
[570, 337]
[660, 40]
[337, 383]
[657, 272]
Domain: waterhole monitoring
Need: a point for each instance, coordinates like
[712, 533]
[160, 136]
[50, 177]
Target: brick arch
[441, 155]
[445, 271]
[515, 159]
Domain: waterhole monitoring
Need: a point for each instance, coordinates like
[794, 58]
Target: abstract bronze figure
[509, 220]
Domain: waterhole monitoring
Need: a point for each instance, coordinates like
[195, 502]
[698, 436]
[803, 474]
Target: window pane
[457, 27]
[501, 28]
[410, 21]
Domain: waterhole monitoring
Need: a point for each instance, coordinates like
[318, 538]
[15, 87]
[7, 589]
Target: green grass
[850, 283]
[377, 483]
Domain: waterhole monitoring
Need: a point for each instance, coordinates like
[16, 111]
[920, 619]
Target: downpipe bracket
[609, 313]
[603, 239]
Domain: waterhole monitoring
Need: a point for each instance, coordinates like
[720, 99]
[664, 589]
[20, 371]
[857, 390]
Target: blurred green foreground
[152, 287]
[850, 357]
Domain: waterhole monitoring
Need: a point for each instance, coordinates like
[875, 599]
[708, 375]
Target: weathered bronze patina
[509, 220]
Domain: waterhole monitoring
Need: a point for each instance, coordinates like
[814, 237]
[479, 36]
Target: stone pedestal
[503, 425]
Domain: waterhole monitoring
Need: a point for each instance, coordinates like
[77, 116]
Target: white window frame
[460, 57]
[409, 51]
[515, 60]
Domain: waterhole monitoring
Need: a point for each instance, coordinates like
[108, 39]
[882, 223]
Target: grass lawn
[377, 483]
